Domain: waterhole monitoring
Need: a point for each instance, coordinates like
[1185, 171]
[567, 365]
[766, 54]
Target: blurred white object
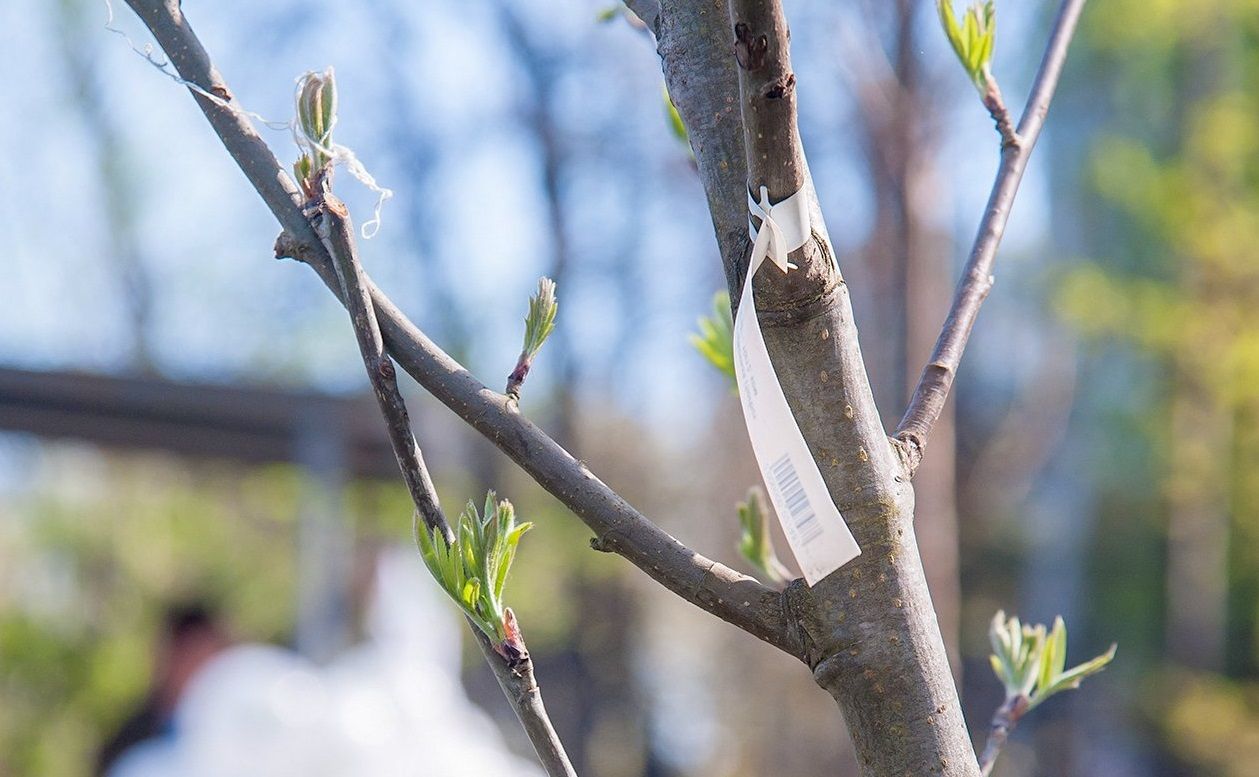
[390, 707]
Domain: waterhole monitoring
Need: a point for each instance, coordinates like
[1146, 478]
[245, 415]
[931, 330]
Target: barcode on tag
[816, 531]
[803, 518]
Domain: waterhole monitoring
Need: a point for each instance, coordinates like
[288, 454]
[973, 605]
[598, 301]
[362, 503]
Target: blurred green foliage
[715, 339]
[1167, 92]
[103, 543]
[87, 566]
[1211, 722]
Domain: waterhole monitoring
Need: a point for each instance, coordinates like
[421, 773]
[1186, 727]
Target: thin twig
[515, 676]
[937, 377]
[332, 224]
[995, 104]
[524, 362]
[1004, 720]
[521, 689]
[714, 587]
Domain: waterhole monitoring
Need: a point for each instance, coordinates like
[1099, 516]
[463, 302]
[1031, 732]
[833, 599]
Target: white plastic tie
[784, 228]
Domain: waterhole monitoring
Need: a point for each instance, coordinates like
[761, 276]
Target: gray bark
[869, 630]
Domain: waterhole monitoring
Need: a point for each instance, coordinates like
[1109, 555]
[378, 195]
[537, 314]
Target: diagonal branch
[1004, 720]
[515, 676]
[937, 377]
[731, 596]
[332, 224]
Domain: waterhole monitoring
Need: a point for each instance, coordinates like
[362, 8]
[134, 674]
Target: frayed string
[337, 153]
[164, 66]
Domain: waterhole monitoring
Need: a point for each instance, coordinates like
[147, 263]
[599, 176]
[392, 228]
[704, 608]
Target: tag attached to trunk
[816, 531]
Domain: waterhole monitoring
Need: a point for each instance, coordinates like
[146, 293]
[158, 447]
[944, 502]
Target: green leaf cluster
[973, 38]
[755, 543]
[473, 569]
[540, 321]
[1030, 661]
[715, 340]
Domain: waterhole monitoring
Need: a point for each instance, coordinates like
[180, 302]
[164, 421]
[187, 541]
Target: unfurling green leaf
[755, 543]
[973, 40]
[316, 118]
[1030, 660]
[540, 322]
[473, 570]
[715, 341]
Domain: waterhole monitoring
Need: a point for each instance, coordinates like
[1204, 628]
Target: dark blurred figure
[192, 633]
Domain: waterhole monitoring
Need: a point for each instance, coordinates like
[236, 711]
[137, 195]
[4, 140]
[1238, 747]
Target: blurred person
[392, 705]
[192, 634]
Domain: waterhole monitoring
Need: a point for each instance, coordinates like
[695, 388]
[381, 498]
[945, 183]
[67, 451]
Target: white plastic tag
[816, 531]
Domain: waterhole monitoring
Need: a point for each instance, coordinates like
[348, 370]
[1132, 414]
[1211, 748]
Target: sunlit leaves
[972, 38]
[715, 340]
[473, 569]
[1030, 661]
[540, 321]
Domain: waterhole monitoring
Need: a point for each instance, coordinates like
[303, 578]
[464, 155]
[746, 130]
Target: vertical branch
[907, 258]
[874, 640]
[522, 691]
[537, 62]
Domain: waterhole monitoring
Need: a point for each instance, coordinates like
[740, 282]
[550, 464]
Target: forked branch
[618, 527]
[937, 377]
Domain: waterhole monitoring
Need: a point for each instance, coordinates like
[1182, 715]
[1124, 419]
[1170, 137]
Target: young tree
[867, 631]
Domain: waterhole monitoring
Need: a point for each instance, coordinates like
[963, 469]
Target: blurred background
[189, 458]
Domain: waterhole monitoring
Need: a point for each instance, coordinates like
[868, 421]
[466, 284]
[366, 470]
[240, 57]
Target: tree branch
[521, 689]
[873, 640]
[773, 150]
[694, 46]
[515, 676]
[731, 596]
[1004, 720]
[937, 377]
[332, 224]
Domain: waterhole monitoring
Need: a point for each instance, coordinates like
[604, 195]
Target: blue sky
[223, 310]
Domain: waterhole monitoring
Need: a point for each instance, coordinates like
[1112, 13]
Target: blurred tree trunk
[118, 201]
[909, 258]
[1198, 525]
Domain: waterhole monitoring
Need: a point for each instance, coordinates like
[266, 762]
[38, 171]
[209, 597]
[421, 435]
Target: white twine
[337, 153]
